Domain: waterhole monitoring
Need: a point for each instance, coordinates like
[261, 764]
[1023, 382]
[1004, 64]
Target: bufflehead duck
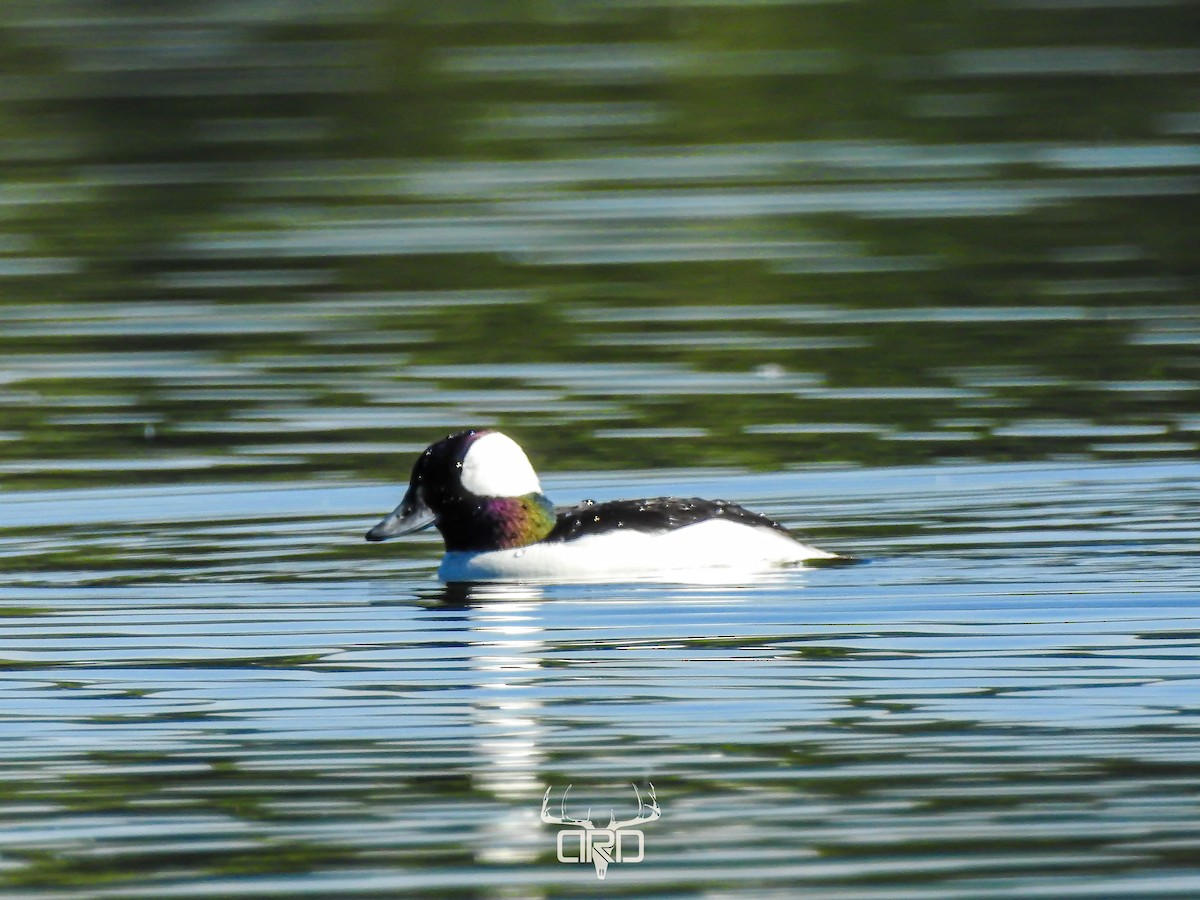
[479, 490]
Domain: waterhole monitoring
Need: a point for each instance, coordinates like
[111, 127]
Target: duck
[480, 491]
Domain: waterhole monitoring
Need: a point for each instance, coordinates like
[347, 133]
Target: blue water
[1001, 700]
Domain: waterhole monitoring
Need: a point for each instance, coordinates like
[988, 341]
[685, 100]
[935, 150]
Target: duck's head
[480, 491]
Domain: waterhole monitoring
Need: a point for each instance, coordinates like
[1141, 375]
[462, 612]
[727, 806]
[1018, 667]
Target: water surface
[238, 700]
[916, 279]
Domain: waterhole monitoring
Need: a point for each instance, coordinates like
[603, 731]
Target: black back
[655, 515]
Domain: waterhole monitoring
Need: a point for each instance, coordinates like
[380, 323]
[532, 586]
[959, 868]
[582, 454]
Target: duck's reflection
[502, 636]
[505, 642]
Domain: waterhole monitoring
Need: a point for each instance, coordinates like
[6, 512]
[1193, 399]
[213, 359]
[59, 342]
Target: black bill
[411, 515]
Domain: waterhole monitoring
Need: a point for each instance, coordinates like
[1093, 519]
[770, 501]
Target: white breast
[712, 544]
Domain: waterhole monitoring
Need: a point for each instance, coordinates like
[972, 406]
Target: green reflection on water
[292, 215]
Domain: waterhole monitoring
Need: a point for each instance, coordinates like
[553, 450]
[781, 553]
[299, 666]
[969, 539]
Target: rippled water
[917, 280]
[220, 691]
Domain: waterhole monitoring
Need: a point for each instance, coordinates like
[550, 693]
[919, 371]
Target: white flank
[708, 545]
[496, 466]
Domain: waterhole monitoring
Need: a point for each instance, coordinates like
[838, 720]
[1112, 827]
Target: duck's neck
[497, 523]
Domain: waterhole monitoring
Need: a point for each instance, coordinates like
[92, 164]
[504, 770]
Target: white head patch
[496, 466]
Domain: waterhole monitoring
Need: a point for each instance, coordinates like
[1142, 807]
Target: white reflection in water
[506, 649]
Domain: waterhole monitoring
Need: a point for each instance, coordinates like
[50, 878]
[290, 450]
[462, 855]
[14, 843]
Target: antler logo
[601, 846]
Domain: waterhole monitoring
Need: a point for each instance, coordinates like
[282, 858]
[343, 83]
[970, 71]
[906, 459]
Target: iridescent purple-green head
[478, 489]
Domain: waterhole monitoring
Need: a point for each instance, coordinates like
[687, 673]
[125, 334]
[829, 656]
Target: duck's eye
[458, 465]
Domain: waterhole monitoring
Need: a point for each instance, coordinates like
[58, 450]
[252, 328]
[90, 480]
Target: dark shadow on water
[836, 562]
